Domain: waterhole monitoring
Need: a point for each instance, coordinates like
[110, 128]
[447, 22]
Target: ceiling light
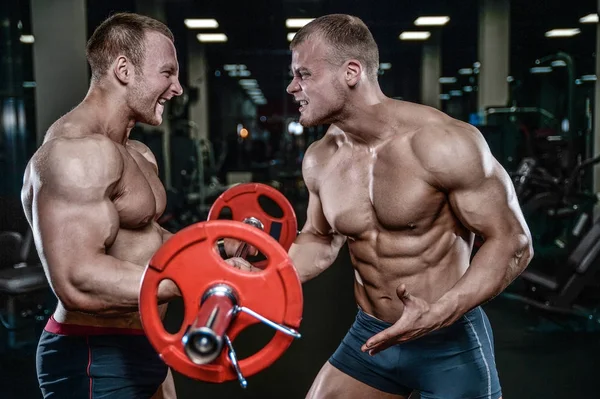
[27, 39]
[446, 80]
[297, 22]
[233, 67]
[201, 23]
[562, 32]
[384, 66]
[545, 69]
[444, 96]
[465, 71]
[432, 21]
[558, 63]
[589, 19]
[212, 37]
[589, 78]
[290, 36]
[249, 83]
[415, 35]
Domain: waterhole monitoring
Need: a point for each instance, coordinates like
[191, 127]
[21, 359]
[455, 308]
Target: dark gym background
[546, 325]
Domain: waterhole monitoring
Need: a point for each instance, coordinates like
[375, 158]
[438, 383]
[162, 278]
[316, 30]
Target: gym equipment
[243, 201]
[556, 207]
[567, 247]
[221, 301]
[24, 291]
[565, 293]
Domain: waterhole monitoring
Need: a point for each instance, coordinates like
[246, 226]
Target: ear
[123, 69]
[353, 72]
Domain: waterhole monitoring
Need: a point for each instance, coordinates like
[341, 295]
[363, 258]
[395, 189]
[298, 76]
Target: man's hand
[242, 264]
[232, 246]
[419, 318]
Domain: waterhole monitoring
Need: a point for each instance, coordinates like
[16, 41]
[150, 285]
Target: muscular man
[416, 185]
[92, 198]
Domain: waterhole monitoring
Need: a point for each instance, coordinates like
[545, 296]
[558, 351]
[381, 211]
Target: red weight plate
[190, 259]
[243, 202]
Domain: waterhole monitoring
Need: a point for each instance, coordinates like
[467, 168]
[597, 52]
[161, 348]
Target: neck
[108, 113]
[365, 118]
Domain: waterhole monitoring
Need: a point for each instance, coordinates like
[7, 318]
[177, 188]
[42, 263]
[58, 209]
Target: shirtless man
[92, 198]
[416, 185]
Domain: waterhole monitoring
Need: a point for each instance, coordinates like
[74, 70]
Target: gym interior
[524, 73]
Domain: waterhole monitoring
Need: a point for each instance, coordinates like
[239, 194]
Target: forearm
[312, 254]
[109, 286]
[494, 267]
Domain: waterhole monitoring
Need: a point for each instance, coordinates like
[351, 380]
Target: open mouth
[303, 104]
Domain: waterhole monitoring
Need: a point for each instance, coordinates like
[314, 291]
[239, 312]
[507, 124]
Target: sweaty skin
[92, 196]
[106, 197]
[396, 213]
[407, 187]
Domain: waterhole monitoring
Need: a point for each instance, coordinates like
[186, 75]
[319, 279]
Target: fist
[242, 264]
[233, 247]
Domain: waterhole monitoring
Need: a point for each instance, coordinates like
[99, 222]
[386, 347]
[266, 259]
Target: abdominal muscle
[428, 265]
[135, 246]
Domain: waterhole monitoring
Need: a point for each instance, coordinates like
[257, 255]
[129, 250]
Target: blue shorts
[92, 362]
[451, 363]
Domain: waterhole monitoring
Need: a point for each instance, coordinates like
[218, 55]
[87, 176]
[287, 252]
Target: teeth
[302, 102]
[162, 101]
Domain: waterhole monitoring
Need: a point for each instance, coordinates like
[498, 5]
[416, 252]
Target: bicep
[73, 216]
[488, 206]
[72, 229]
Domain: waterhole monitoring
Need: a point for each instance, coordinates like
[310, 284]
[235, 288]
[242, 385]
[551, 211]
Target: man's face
[158, 81]
[317, 85]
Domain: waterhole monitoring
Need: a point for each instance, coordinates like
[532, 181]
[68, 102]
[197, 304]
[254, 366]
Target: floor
[536, 357]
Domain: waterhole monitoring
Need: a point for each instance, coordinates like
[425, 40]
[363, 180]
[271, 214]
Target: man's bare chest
[140, 196]
[359, 194]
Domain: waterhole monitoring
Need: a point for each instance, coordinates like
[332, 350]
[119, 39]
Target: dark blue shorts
[451, 363]
[90, 362]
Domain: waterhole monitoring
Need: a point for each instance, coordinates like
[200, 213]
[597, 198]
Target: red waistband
[55, 327]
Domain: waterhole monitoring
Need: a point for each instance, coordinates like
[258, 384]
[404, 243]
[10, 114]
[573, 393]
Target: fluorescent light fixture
[194, 23]
[254, 91]
[27, 39]
[589, 19]
[212, 37]
[244, 73]
[465, 71]
[234, 73]
[233, 67]
[444, 96]
[446, 80]
[563, 32]
[589, 78]
[456, 93]
[249, 83]
[29, 85]
[468, 89]
[546, 69]
[432, 21]
[384, 66]
[558, 63]
[415, 35]
[290, 36]
[297, 22]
